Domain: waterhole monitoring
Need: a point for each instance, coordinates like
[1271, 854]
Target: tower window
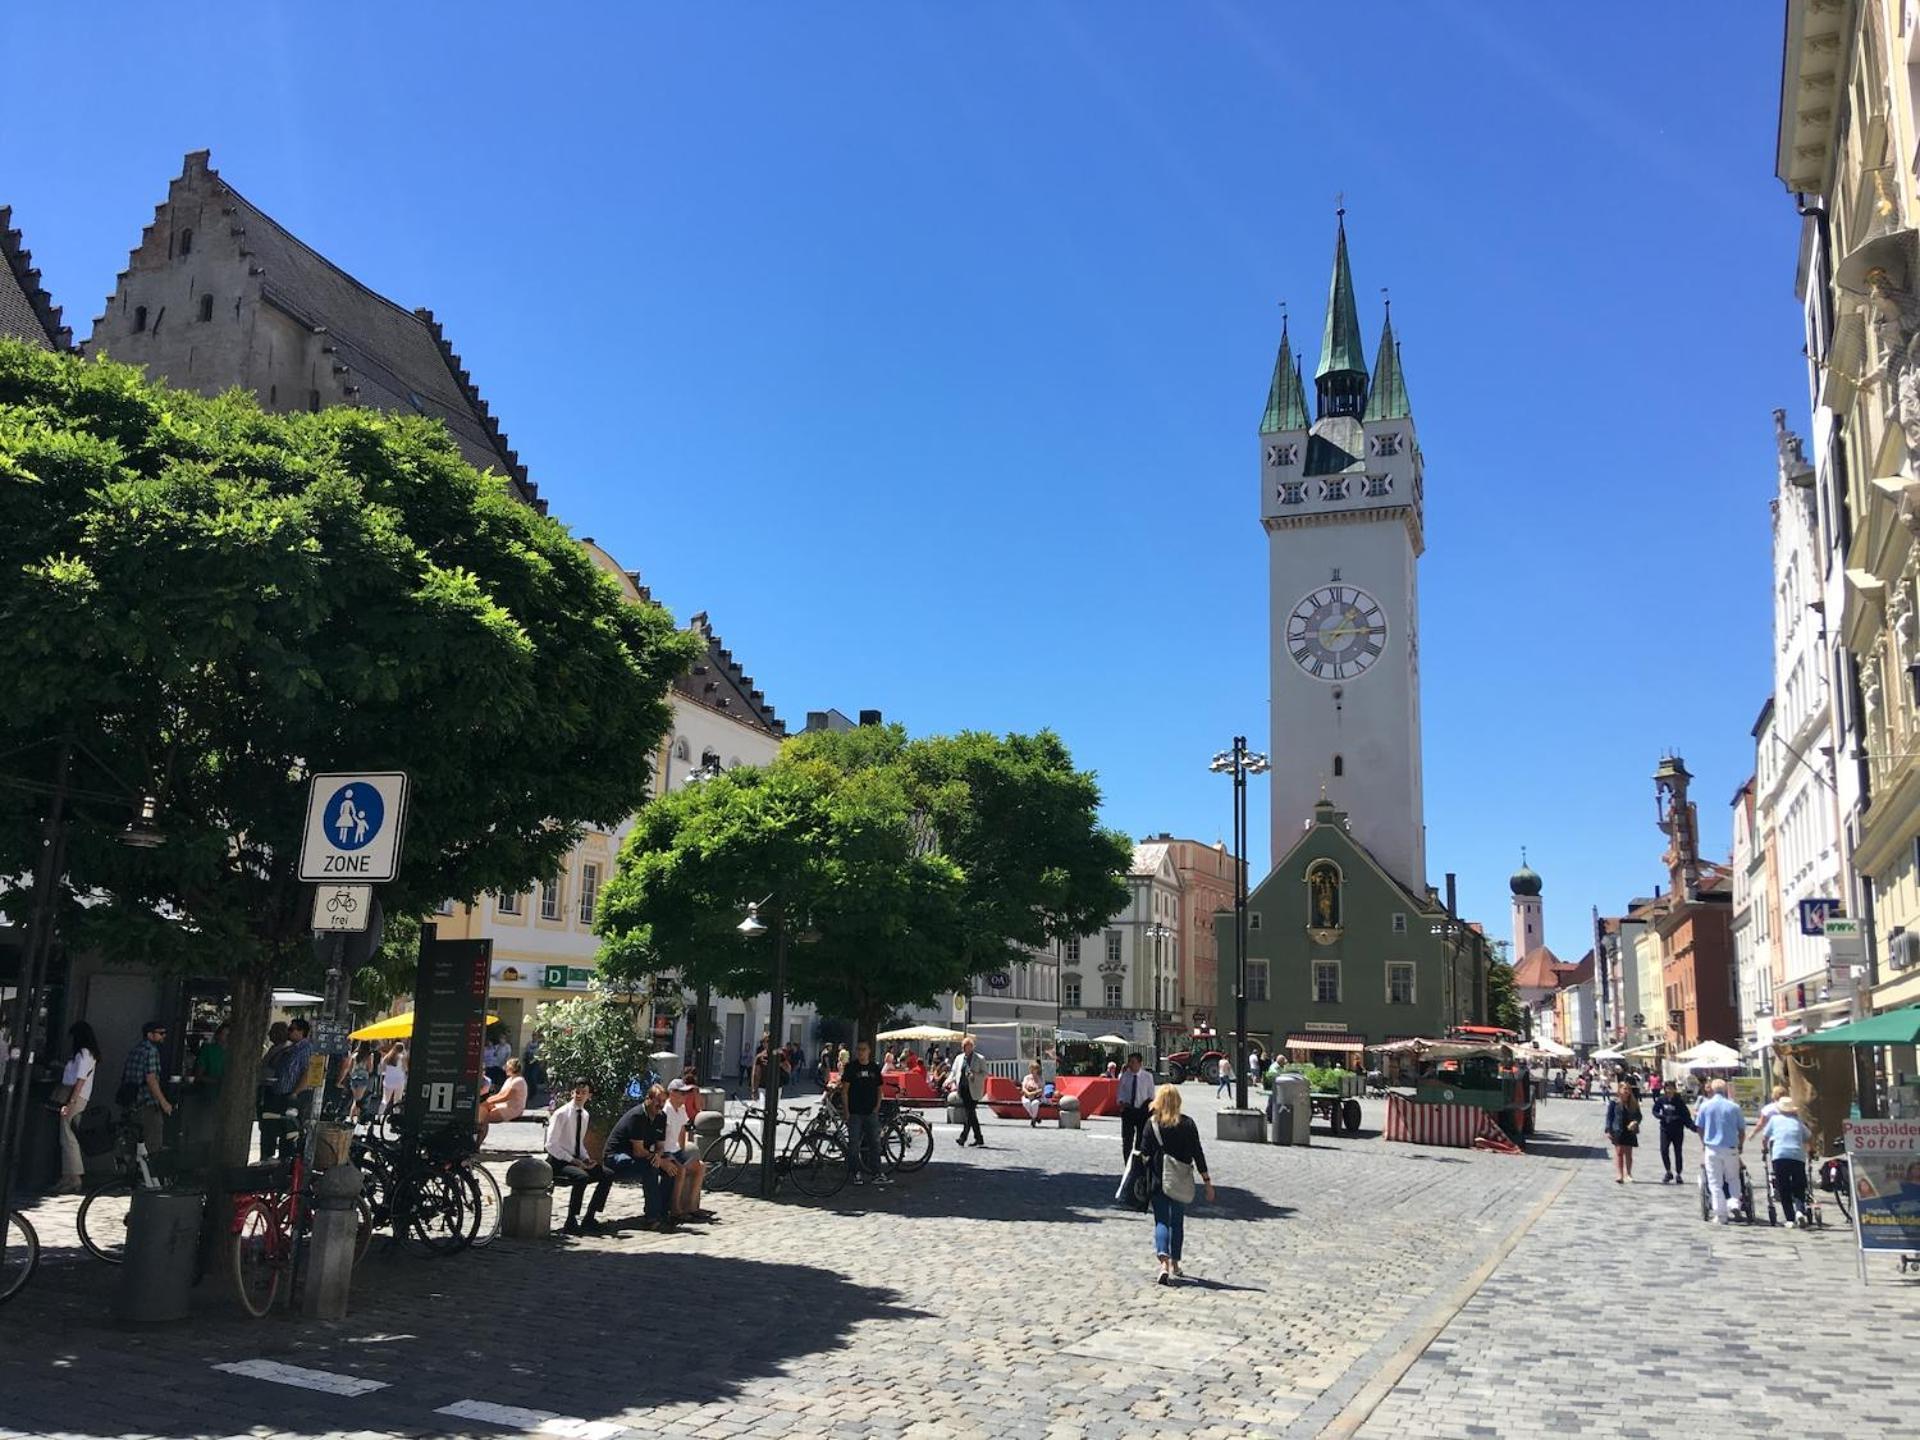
[1378, 485]
[1293, 492]
[1339, 766]
[206, 307]
[186, 242]
[1388, 444]
[1334, 488]
[139, 318]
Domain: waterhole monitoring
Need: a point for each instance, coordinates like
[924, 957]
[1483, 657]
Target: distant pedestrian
[1723, 1135]
[1136, 1095]
[1170, 1149]
[1032, 1091]
[1670, 1109]
[493, 1056]
[967, 1081]
[1225, 1078]
[393, 1078]
[1623, 1130]
[508, 1103]
[363, 1082]
[77, 1080]
[860, 1093]
[1783, 1142]
[141, 1090]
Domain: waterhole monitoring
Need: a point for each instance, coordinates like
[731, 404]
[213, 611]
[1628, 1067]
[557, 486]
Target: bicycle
[272, 1211]
[416, 1191]
[815, 1157]
[19, 1255]
[906, 1139]
[106, 1210]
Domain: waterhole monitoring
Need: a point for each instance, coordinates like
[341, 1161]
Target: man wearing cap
[140, 1086]
[687, 1168]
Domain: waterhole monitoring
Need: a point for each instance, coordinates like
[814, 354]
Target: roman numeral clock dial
[1336, 632]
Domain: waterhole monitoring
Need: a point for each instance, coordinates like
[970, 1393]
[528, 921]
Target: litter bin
[163, 1241]
[1289, 1111]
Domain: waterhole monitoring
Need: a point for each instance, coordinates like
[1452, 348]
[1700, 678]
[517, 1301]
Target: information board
[449, 1028]
[1884, 1156]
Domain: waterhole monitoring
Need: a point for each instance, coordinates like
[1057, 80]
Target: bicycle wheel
[818, 1168]
[436, 1211]
[731, 1158]
[907, 1144]
[102, 1222]
[19, 1254]
[363, 1233]
[253, 1256]
[481, 1193]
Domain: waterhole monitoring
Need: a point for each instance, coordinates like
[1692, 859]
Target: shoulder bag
[1176, 1176]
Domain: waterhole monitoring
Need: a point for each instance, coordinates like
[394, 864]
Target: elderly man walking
[967, 1082]
[1723, 1135]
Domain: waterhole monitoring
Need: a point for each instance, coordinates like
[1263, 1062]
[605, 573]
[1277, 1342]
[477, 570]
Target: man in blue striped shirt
[1723, 1134]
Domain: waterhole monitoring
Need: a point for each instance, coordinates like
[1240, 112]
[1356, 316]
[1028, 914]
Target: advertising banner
[1885, 1159]
[449, 1028]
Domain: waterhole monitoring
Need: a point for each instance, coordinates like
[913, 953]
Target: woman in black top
[1623, 1129]
[1170, 1135]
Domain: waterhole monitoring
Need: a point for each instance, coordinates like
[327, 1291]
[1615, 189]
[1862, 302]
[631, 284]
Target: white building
[1126, 980]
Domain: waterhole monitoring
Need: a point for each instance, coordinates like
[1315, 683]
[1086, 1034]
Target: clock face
[1336, 632]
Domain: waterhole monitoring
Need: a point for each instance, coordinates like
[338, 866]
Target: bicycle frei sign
[354, 825]
[341, 907]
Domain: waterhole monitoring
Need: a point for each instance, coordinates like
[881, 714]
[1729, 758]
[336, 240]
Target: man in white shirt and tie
[572, 1165]
[1136, 1093]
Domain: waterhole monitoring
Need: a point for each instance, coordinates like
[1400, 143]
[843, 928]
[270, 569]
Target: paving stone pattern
[999, 1293]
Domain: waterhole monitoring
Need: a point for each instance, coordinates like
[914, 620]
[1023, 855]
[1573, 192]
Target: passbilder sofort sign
[354, 826]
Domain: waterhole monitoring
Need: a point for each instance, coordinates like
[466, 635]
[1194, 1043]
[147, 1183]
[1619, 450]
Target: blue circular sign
[999, 980]
[353, 816]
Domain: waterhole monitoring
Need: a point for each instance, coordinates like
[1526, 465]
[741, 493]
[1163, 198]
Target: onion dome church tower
[1528, 925]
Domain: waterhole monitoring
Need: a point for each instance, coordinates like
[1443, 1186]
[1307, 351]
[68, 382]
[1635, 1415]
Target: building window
[1386, 444]
[1253, 919]
[589, 891]
[1070, 994]
[550, 899]
[445, 907]
[186, 242]
[1399, 982]
[206, 307]
[506, 904]
[1113, 994]
[1257, 980]
[1339, 766]
[139, 318]
[1113, 946]
[1326, 982]
[1399, 923]
[1072, 950]
[1334, 488]
[1379, 485]
[1293, 492]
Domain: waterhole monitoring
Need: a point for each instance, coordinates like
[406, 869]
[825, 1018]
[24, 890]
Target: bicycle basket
[273, 1175]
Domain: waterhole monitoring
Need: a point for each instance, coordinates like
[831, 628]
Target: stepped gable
[27, 312]
[718, 682]
[385, 356]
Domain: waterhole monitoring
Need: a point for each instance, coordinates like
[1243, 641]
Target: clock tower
[1341, 504]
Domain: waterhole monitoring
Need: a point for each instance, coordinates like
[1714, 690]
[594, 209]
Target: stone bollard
[707, 1126]
[528, 1213]
[1069, 1112]
[336, 1234]
[956, 1113]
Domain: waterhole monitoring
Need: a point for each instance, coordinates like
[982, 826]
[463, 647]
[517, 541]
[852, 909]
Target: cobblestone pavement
[1002, 1293]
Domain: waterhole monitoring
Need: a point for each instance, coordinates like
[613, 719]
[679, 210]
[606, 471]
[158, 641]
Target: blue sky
[924, 345]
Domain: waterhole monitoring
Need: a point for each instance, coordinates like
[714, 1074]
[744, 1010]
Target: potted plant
[600, 1040]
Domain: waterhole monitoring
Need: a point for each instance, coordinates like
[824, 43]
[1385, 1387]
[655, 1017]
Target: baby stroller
[1741, 1205]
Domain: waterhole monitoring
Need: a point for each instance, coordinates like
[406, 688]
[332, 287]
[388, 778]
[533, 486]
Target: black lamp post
[699, 1036]
[753, 928]
[1239, 762]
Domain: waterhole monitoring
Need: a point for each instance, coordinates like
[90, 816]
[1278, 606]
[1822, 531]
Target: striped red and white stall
[1464, 1127]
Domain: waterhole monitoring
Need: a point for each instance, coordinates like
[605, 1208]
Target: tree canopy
[902, 868]
[214, 602]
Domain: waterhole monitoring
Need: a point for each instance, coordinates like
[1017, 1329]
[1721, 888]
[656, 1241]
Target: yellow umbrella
[396, 1027]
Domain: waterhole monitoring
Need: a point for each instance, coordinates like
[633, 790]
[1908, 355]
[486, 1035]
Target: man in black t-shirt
[860, 1096]
[636, 1150]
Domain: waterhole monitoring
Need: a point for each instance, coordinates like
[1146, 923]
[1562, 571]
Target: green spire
[1286, 401]
[1340, 348]
[1388, 398]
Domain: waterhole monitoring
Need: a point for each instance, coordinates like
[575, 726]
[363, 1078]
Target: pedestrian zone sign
[354, 825]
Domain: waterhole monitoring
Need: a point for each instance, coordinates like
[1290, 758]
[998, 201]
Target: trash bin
[1289, 1111]
[163, 1241]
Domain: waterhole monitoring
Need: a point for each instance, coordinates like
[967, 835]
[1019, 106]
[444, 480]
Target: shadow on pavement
[1022, 1193]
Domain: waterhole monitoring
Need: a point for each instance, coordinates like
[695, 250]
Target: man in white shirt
[692, 1172]
[1136, 1093]
[572, 1165]
[967, 1082]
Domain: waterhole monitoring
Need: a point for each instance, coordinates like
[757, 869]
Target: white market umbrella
[1554, 1049]
[1072, 1037]
[1608, 1055]
[1711, 1055]
[1111, 1040]
[928, 1033]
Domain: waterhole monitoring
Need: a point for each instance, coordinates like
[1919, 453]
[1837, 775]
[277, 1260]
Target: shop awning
[1315, 1040]
[1895, 1027]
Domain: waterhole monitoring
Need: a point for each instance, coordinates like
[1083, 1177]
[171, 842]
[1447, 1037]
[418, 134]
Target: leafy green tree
[1503, 998]
[214, 603]
[902, 868]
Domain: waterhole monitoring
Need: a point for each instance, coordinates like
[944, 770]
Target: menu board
[449, 1028]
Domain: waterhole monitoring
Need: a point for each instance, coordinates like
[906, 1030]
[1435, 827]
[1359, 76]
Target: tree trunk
[252, 997]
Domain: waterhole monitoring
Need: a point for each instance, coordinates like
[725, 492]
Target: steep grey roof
[27, 312]
[718, 682]
[400, 359]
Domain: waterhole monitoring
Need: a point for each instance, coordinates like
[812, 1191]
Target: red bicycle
[272, 1209]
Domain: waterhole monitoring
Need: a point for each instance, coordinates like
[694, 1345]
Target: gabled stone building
[27, 312]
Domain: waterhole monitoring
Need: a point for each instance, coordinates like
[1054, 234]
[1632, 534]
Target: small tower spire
[1340, 381]
[1286, 402]
[1387, 399]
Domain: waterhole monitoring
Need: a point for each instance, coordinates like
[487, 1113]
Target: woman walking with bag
[77, 1081]
[1169, 1147]
[1623, 1129]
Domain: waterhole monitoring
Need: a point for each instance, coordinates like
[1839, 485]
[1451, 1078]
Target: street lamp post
[1239, 762]
[753, 928]
[1159, 934]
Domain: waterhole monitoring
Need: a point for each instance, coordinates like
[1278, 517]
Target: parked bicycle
[432, 1192]
[19, 1255]
[272, 1214]
[814, 1156]
[107, 1208]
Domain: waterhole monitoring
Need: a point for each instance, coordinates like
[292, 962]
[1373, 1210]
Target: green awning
[1896, 1027]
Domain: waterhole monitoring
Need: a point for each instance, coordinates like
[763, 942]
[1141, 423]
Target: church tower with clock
[1340, 500]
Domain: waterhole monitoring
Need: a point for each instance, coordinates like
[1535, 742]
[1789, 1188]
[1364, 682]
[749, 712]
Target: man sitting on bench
[572, 1166]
